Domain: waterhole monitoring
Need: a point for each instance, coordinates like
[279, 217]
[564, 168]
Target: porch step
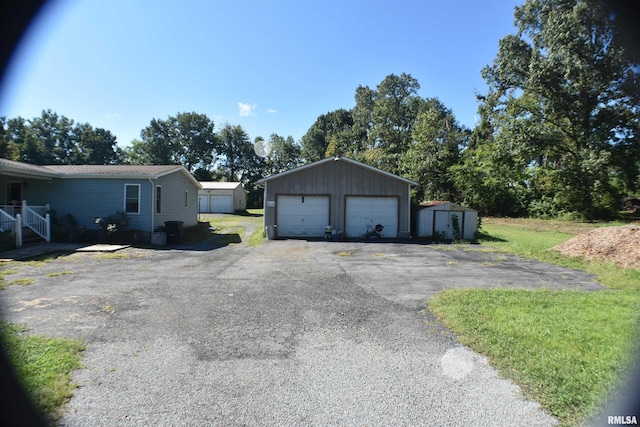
[29, 237]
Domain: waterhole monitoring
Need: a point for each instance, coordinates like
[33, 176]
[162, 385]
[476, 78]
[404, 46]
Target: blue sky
[271, 66]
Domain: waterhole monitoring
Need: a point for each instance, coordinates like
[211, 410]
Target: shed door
[221, 204]
[302, 216]
[364, 213]
[442, 224]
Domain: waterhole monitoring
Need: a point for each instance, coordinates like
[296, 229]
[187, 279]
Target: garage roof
[211, 185]
[336, 159]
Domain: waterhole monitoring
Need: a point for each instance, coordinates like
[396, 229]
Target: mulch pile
[619, 245]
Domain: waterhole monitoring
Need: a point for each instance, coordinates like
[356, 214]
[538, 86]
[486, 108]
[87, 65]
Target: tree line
[558, 134]
[188, 139]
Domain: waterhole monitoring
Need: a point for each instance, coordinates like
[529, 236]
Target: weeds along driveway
[287, 333]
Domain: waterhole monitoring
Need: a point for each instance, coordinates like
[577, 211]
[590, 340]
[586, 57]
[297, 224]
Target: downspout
[152, 210]
[409, 213]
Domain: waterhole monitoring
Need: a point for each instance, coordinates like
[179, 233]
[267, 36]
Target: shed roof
[436, 203]
[211, 185]
[336, 159]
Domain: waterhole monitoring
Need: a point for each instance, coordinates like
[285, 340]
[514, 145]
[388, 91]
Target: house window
[158, 199]
[132, 198]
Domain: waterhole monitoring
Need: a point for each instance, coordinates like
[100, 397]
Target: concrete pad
[102, 248]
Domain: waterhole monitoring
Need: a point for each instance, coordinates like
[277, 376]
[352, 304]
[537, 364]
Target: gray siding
[174, 187]
[339, 179]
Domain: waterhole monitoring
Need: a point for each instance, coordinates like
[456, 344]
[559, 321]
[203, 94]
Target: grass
[44, 366]
[60, 273]
[233, 228]
[566, 349]
[23, 282]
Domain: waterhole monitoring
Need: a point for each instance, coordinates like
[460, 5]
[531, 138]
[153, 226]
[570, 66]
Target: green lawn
[566, 349]
[246, 227]
[44, 366]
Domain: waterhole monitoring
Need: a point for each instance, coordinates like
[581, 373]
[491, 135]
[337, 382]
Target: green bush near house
[7, 241]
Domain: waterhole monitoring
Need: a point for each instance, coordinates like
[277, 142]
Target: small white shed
[221, 197]
[442, 219]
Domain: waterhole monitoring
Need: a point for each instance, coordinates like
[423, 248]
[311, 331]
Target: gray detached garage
[221, 197]
[350, 197]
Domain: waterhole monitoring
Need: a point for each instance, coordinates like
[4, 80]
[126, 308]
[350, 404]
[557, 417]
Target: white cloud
[271, 111]
[246, 109]
[112, 116]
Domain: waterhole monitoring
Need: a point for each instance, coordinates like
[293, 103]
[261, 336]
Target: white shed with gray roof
[221, 197]
[446, 221]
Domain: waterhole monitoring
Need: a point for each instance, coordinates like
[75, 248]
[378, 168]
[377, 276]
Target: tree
[396, 105]
[196, 139]
[187, 139]
[157, 145]
[315, 142]
[238, 160]
[55, 133]
[434, 149]
[30, 148]
[284, 154]
[96, 146]
[568, 104]
[8, 149]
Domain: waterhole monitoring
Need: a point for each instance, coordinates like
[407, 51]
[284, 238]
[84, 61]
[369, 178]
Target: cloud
[112, 116]
[271, 111]
[246, 109]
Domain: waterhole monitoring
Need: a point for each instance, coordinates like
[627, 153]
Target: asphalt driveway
[288, 333]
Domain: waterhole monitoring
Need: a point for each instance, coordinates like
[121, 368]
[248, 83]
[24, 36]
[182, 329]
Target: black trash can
[174, 231]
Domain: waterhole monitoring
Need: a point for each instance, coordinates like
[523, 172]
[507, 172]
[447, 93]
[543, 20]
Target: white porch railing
[34, 217]
[40, 224]
[7, 222]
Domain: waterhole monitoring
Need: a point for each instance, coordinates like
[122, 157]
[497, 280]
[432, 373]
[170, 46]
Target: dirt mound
[619, 245]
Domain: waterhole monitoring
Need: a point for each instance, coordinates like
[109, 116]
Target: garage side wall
[338, 179]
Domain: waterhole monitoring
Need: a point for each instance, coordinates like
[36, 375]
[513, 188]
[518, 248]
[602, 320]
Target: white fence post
[18, 230]
[47, 227]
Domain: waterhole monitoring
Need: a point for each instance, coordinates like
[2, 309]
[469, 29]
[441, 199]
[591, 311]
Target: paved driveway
[288, 333]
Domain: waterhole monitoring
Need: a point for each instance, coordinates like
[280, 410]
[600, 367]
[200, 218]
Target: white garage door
[203, 203]
[221, 204]
[302, 216]
[364, 213]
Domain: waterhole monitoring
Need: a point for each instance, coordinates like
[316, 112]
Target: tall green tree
[568, 104]
[96, 146]
[196, 140]
[437, 140]
[238, 160]
[315, 142]
[8, 148]
[187, 139]
[30, 147]
[396, 105]
[55, 133]
[284, 154]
